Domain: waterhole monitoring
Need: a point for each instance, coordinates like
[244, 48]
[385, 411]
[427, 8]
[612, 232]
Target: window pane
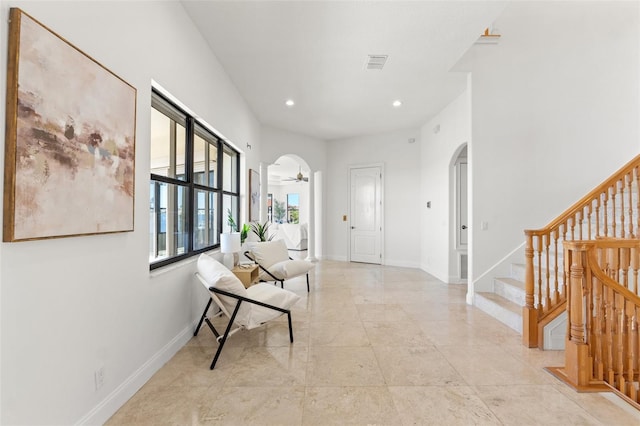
[168, 138]
[230, 170]
[205, 158]
[230, 202]
[205, 221]
[293, 208]
[168, 229]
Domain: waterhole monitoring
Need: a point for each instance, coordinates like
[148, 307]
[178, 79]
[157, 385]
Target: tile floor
[373, 345]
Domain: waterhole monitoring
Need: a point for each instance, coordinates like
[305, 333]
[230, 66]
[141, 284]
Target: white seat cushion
[290, 268]
[272, 295]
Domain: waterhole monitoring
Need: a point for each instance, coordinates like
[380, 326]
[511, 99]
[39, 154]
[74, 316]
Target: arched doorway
[459, 219]
[290, 204]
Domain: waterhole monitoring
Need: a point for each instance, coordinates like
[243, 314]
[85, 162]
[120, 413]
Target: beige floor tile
[396, 333]
[338, 334]
[415, 366]
[382, 312]
[492, 365]
[164, 405]
[256, 406]
[607, 407]
[343, 366]
[441, 405]
[270, 366]
[369, 405]
[521, 405]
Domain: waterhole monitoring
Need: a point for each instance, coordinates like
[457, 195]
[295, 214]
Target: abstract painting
[70, 139]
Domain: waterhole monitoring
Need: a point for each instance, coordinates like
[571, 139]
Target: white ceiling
[314, 52]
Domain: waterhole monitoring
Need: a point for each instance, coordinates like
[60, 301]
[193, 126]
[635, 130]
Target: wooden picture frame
[70, 139]
[254, 196]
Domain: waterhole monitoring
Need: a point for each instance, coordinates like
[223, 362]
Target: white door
[366, 214]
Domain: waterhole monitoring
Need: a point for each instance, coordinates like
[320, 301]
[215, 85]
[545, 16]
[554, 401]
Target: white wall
[277, 142]
[555, 111]
[401, 161]
[441, 140]
[69, 306]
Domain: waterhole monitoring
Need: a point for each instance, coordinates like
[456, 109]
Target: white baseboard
[120, 395]
[401, 263]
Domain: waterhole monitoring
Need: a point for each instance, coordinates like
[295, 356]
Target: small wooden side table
[249, 274]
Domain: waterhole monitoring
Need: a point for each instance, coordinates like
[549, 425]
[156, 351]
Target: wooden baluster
[573, 227]
[529, 312]
[609, 324]
[547, 303]
[620, 343]
[629, 180]
[580, 215]
[613, 263]
[624, 266]
[620, 186]
[587, 292]
[628, 308]
[635, 351]
[605, 212]
[565, 269]
[589, 212]
[635, 264]
[637, 192]
[568, 253]
[597, 200]
[599, 310]
[539, 283]
[614, 192]
[556, 293]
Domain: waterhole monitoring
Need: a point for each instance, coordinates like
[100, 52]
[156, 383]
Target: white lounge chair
[273, 259]
[246, 308]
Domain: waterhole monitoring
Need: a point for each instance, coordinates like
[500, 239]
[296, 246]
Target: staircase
[505, 303]
[507, 299]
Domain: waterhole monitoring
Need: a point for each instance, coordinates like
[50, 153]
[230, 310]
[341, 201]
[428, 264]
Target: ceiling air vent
[376, 62]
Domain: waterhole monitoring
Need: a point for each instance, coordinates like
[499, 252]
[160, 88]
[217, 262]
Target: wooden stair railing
[611, 210]
[603, 341]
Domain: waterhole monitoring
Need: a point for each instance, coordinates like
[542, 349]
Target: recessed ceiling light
[397, 103]
[289, 103]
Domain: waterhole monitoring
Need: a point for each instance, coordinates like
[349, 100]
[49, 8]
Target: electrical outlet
[99, 377]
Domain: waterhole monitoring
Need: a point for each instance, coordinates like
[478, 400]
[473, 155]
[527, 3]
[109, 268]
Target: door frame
[348, 233]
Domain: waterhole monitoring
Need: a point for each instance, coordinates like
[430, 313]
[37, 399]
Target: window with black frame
[194, 184]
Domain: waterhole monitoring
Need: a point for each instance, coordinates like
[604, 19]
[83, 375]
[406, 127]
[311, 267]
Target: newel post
[529, 311]
[576, 348]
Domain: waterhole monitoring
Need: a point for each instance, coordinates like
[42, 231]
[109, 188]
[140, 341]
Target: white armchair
[245, 308]
[273, 259]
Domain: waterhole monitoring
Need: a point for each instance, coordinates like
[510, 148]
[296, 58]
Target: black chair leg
[204, 315]
[226, 334]
[290, 327]
[307, 283]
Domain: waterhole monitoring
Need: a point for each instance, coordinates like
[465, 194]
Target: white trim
[120, 395]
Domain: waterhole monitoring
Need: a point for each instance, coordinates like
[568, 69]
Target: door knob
[464, 226]
[353, 227]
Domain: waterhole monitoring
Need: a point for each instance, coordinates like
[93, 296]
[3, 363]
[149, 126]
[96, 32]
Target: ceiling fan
[299, 177]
